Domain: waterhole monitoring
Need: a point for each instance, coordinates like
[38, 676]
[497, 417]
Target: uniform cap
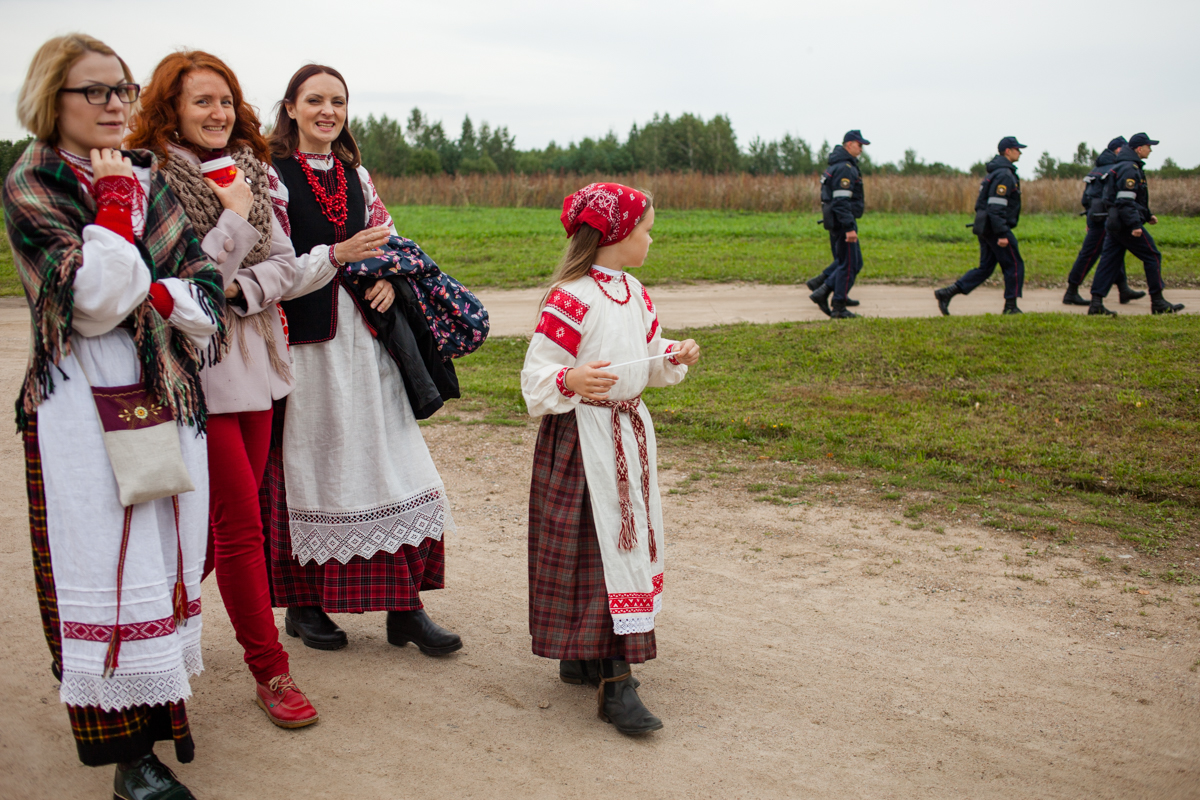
[854, 136]
[1009, 141]
[1116, 144]
[1139, 139]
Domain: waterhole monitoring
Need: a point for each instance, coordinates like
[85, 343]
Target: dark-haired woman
[194, 111]
[122, 297]
[358, 513]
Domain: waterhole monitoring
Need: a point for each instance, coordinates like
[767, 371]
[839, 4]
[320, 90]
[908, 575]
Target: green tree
[10, 152]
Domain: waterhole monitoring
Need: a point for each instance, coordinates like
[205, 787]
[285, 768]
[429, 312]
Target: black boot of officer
[821, 298]
[1097, 309]
[943, 296]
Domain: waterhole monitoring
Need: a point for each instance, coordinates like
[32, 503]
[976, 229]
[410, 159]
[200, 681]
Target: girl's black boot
[618, 702]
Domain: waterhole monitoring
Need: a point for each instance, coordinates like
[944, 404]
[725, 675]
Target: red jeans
[237, 457]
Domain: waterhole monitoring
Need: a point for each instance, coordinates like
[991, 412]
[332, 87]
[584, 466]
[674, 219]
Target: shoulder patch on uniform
[1001, 189]
[1130, 183]
[845, 182]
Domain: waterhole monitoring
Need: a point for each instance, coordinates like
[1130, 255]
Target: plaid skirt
[383, 582]
[568, 600]
[101, 737]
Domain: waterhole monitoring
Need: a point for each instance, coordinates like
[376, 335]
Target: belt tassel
[628, 538]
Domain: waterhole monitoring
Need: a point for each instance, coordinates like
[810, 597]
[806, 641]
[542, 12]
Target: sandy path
[513, 312]
[811, 650]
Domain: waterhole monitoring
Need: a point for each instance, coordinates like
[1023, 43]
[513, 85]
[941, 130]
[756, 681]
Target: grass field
[1041, 424]
[518, 247]
[514, 247]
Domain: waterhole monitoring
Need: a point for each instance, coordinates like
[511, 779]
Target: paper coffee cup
[221, 170]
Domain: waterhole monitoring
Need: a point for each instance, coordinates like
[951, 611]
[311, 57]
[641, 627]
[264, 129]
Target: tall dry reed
[743, 192]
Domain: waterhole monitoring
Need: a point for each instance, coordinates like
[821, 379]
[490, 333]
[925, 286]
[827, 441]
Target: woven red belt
[628, 530]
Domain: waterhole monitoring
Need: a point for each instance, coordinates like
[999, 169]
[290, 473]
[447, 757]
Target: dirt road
[823, 650]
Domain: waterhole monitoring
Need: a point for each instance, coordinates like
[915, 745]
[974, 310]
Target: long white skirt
[359, 477]
[84, 521]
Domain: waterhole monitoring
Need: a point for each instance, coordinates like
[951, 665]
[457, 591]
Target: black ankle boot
[314, 627]
[1072, 297]
[1097, 309]
[821, 298]
[943, 297]
[841, 312]
[416, 627]
[577, 672]
[1010, 306]
[148, 779]
[851, 303]
[1160, 305]
[1128, 294]
[814, 283]
[618, 702]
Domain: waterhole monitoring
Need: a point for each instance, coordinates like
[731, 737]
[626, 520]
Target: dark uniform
[1128, 201]
[1097, 214]
[842, 204]
[997, 213]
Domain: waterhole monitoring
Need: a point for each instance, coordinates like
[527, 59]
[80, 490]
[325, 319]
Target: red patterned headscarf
[610, 208]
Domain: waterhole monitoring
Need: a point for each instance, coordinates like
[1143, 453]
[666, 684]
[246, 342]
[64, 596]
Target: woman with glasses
[123, 300]
[192, 112]
[357, 506]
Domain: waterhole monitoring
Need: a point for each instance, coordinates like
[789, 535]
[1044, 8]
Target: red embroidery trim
[635, 602]
[334, 208]
[559, 332]
[560, 380]
[653, 330]
[649, 302]
[569, 305]
[671, 349]
[130, 632]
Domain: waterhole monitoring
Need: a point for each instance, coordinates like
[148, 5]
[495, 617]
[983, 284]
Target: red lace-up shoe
[284, 703]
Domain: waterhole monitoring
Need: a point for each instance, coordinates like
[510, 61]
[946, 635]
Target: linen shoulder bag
[142, 441]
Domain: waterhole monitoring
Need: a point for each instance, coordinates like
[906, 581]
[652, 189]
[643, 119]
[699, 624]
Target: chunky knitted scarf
[203, 210]
[45, 211]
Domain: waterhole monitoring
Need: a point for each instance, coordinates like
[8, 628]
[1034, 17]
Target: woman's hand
[232, 290]
[364, 244]
[381, 295]
[590, 380]
[688, 352]
[237, 197]
[106, 163]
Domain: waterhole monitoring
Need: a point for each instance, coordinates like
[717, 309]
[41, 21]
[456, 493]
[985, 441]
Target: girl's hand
[107, 163]
[688, 352]
[364, 244]
[238, 197]
[590, 380]
[381, 295]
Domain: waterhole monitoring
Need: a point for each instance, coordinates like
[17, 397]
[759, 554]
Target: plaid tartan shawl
[45, 211]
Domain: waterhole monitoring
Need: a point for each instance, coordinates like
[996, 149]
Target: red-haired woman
[193, 111]
[122, 299]
[358, 526]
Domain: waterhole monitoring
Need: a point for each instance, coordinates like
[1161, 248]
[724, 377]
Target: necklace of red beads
[334, 208]
[600, 284]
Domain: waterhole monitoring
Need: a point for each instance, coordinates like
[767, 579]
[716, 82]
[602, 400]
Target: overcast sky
[948, 79]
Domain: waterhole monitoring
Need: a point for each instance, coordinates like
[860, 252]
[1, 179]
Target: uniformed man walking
[1128, 201]
[841, 206]
[1093, 243]
[997, 212]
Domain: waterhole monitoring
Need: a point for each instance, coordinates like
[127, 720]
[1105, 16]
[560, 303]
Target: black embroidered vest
[313, 317]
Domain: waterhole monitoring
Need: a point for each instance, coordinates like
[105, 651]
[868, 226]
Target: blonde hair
[37, 104]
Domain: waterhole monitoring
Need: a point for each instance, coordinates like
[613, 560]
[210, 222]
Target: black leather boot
[821, 298]
[850, 302]
[577, 672]
[148, 779]
[815, 283]
[943, 297]
[618, 702]
[416, 627]
[841, 312]
[1072, 297]
[1010, 306]
[1128, 294]
[1097, 309]
[1159, 305]
[314, 627]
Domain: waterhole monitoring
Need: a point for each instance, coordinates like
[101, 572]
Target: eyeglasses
[98, 94]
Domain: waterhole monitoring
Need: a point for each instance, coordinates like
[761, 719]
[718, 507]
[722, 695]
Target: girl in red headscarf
[595, 518]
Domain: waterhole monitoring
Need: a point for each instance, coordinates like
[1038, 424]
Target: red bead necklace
[600, 285]
[334, 208]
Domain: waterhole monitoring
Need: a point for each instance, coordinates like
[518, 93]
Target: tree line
[686, 143]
